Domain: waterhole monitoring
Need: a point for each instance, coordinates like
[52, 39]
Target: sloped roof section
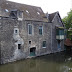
[51, 16]
[29, 12]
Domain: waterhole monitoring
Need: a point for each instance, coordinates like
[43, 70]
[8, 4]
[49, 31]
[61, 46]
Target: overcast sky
[50, 6]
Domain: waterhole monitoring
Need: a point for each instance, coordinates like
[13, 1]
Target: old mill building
[26, 31]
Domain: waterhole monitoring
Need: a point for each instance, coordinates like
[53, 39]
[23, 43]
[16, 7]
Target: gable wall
[56, 22]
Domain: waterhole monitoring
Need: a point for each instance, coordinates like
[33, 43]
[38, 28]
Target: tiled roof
[51, 16]
[68, 42]
[29, 12]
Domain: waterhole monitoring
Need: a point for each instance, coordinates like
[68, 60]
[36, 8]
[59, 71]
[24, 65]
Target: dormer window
[20, 15]
[17, 14]
[13, 14]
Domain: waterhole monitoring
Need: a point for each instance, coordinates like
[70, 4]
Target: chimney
[47, 15]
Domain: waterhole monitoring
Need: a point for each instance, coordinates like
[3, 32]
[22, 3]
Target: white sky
[50, 6]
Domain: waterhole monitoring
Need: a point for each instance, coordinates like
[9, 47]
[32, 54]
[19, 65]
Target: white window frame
[32, 29]
[20, 18]
[42, 31]
[42, 45]
[15, 31]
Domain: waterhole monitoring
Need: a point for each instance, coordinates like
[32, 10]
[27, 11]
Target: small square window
[29, 42]
[15, 31]
[44, 44]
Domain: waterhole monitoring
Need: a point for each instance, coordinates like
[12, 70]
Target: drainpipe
[51, 38]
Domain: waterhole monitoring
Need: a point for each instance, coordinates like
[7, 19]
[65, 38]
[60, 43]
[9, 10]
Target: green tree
[68, 23]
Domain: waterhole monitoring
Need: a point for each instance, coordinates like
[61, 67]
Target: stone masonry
[15, 17]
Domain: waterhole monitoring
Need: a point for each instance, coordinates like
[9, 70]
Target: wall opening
[19, 46]
[29, 42]
[59, 45]
[32, 51]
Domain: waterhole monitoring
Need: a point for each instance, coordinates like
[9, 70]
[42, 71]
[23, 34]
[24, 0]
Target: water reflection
[59, 62]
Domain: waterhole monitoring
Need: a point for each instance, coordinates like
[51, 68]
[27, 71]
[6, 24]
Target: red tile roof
[68, 42]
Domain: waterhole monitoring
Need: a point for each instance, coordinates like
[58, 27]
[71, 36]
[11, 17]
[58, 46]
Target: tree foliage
[68, 22]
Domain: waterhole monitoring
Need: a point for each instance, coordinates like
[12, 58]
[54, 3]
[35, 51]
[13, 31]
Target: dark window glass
[13, 14]
[20, 14]
[15, 31]
[44, 43]
[40, 30]
[29, 42]
[30, 29]
[60, 31]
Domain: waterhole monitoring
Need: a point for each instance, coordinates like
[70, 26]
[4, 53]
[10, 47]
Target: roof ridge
[53, 12]
[23, 4]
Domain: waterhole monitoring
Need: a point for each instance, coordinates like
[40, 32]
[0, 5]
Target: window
[20, 14]
[13, 14]
[29, 29]
[29, 42]
[19, 46]
[15, 31]
[40, 30]
[44, 44]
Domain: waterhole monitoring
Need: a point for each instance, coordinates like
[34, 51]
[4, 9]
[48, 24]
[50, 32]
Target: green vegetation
[68, 24]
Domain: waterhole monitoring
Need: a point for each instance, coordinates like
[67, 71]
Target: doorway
[32, 51]
[59, 45]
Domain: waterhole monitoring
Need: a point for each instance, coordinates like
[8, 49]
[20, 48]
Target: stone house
[26, 31]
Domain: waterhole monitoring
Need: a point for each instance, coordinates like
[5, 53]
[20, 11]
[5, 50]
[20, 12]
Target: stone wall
[6, 38]
[37, 39]
[9, 40]
[56, 22]
[8, 43]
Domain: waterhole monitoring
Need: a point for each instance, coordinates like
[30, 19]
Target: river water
[58, 62]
